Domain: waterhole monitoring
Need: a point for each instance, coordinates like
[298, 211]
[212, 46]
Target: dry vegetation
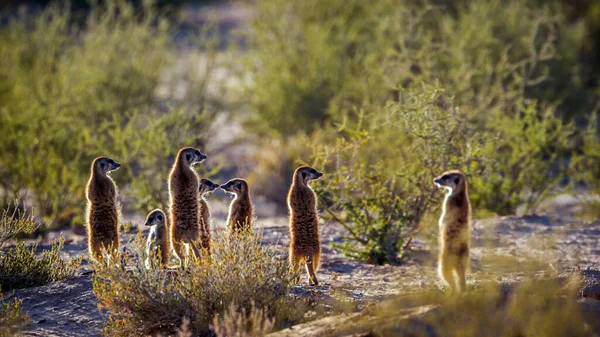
[225, 289]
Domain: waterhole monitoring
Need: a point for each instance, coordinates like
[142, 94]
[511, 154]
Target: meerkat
[455, 230]
[240, 209]
[183, 202]
[158, 238]
[305, 243]
[102, 211]
[206, 186]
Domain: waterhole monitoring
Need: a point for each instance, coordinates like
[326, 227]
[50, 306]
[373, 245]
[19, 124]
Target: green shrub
[240, 271]
[531, 158]
[20, 267]
[15, 222]
[11, 317]
[70, 92]
[380, 171]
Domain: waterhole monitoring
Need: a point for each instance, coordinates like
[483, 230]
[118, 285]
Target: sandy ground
[505, 249]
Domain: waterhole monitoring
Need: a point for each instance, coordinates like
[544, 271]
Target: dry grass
[224, 289]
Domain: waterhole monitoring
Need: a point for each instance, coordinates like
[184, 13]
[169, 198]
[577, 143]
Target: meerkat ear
[303, 175]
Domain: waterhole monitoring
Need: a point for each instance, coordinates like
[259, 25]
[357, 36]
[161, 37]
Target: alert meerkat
[102, 211]
[305, 243]
[455, 230]
[240, 209]
[183, 202]
[206, 186]
[158, 238]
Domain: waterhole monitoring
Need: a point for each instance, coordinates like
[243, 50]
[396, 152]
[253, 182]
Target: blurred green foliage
[70, 92]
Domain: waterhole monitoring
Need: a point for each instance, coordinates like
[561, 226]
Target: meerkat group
[187, 226]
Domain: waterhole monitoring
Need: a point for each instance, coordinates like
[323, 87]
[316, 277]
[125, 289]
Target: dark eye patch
[159, 217]
[303, 174]
[456, 180]
[188, 156]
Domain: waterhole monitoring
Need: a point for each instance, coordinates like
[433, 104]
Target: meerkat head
[156, 217]
[207, 186]
[191, 155]
[453, 181]
[105, 164]
[236, 186]
[305, 174]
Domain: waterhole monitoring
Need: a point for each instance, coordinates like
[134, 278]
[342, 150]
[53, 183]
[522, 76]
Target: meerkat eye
[102, 165]
[239, 185]
[456, 181]
[313, 171]
[197, 153]
[188, 156]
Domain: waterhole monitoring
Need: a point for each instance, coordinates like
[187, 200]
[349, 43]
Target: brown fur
[206, 186]
[305, 242]
[455, 230]
[240, 210]
[158, 237]
[183, 200]
[102, 208]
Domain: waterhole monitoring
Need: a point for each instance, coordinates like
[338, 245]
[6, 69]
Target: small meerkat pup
[158, 238]
[206, 186]
[240, 209]
[305, 242]
[184, 208]
[455, 230]
[102, 211]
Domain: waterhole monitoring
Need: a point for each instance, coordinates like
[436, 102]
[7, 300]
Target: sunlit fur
[305, 242]
[102, 211]
[158, 238]
[455, 230]
[241, 211]
[183, 202]
[206, 186]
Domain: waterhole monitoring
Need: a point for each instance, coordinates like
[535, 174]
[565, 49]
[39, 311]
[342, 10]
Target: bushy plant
[72, 90]
[380, 171]
[20, 267]
[240, 272]
[11, 317]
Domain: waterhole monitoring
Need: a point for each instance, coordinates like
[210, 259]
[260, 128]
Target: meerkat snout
[451, 182]
[108, 165]
[207, 186]
[194, 156]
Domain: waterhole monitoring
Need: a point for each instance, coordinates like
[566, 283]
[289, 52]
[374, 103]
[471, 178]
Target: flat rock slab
[66, 308]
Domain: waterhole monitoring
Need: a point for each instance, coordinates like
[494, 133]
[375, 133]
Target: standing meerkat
[158, 238]
[206, 186]
[183, 202]
[305, 242]
[102, 211]
[455, 230]
[240, 209]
